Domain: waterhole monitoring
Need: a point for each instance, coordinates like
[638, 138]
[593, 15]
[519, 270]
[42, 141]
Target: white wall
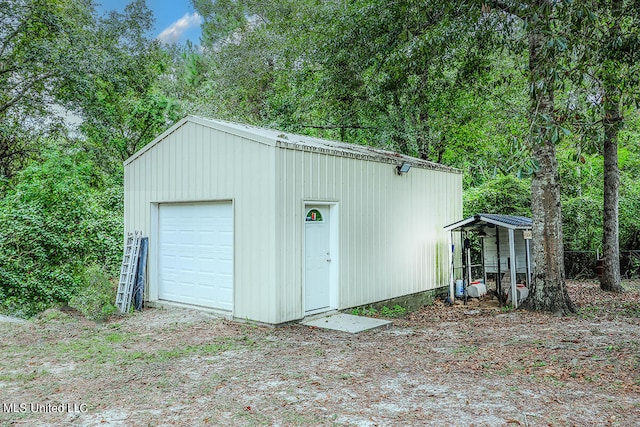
[198, 163]
[491, 251]
[391, 238]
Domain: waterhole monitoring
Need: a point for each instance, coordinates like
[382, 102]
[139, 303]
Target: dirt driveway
[437, 367]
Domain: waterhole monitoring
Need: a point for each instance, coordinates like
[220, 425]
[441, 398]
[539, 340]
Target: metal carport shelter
[516, 229]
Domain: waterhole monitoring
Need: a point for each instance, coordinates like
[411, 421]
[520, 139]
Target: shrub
[54, 220]
[96, 296]
[629, 213]
[582, 223]
[504, 194]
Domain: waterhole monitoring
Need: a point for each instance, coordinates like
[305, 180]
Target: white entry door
[317, 258]
[195, 254]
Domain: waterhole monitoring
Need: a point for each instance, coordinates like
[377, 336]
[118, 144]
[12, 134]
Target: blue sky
[176, 20]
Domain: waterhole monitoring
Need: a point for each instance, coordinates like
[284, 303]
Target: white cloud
[173, 32]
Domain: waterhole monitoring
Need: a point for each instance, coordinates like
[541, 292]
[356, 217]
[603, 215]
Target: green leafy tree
[605, 86]
[118, 99]
[612, 43]
[405, 78]
[629, 155]
[546, 44]
[401, 84]
[581, 176]
[504, 194]
[59, 217]
[481, 85]
[40, 41]
[610, 74]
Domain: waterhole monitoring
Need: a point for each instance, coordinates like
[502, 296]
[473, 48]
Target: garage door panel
[225, 269]
[195, 245]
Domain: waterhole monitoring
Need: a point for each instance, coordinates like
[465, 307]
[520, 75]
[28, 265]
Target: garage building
[271, 227]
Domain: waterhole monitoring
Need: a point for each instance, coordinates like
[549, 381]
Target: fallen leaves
[437, 364]
[569, 349]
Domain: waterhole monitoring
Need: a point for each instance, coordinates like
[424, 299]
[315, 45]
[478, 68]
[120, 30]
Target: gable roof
[291, 141]
[507, 221]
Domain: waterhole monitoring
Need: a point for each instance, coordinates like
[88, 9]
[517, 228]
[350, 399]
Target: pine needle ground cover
[434, 366]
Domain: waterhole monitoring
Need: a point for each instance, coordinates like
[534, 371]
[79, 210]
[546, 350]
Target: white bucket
[522, 293]
[477, 290]
[459, 288]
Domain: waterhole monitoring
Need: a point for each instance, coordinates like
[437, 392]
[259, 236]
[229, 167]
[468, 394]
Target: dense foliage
[60, 217]
[61, 202]
[40, 41]
[444, 81]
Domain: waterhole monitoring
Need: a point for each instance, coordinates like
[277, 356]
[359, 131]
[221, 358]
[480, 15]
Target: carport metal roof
[512, 222]
[476, 223]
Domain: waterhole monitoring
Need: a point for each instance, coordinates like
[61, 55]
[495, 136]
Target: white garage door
[195, 248]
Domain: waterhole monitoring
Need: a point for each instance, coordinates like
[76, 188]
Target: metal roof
[299, 142]
[507, 221]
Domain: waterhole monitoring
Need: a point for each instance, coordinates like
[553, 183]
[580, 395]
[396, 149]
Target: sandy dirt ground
[470, 365]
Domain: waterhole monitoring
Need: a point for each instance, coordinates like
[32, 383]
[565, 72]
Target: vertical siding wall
[197, 163]
[391, 238]
[491, 252]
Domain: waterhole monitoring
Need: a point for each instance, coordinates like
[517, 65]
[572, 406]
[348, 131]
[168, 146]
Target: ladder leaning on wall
[128, 271]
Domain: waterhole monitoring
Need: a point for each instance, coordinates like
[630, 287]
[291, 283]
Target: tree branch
[22, 93]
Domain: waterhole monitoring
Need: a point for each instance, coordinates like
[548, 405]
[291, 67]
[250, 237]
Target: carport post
[526, 242]
[499, 275]
[467, 249]
[512, 268]
[452, 296]
[484, 270]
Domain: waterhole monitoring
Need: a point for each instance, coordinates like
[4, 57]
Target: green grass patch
[631, 309]
[588, 312]
[465, 350]
[364, 311]
[23, 376]
[395, 311]
[111, 347]
[54, 315]
[385, 311]
[506, 370]
[115, 337]
[94, 348]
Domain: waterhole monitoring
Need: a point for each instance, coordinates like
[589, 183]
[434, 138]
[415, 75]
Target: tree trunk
[610, 280]
[548, 288]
